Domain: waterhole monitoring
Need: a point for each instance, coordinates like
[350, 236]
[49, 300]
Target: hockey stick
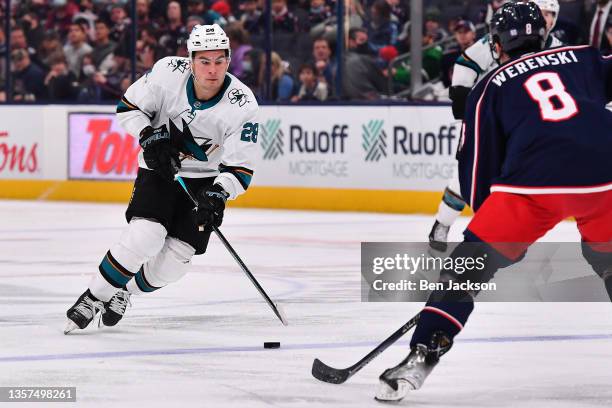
[325, 373]
[275, 307]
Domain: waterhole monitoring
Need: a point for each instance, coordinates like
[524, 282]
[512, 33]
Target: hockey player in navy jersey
[192, 117]
[471, 66]
[536, 150]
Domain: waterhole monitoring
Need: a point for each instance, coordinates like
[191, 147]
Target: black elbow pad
[459, 94]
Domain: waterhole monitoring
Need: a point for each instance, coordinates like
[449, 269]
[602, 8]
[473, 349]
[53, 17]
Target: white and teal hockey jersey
[215, 138]
[477, 61]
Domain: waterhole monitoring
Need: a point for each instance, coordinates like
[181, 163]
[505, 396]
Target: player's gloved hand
[211, 204]
[158, 152]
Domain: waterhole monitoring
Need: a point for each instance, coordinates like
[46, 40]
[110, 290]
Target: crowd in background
[81, 50]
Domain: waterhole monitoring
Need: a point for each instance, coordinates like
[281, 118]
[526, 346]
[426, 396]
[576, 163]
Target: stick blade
[281, 314]
[325, 373]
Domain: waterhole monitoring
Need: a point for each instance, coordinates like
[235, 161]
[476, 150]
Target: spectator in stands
[193, 21]
[89, 91]
[282, 85]
[357, 13]
[324, 64]
[317, 13]
[310, 88]
[433, 28]
[432, 56]
[241, 45]
[175, 30]
[142, 14]
[102, 53]
[358, 41]
[385, 55]
[399, 14]
[60, 16]
[250, 15]
[49, 49]
[282, 19]
[61, 83]
[252, 73]
[601, 26]
[28, 78]
[465, 35]
[381, 30]
[362, 79]
[87, 14]
[34, 32]
[76, 47]
[224, 9]
[120, 25]
[147, 50]
[111, 84]
[157, 11]
[41, 8]
[20, 42]
[431, 62]
[198, 8]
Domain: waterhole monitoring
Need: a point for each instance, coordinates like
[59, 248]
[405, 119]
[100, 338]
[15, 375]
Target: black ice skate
[83, 311]
[410, 374]
[115, 308]
[438, 237]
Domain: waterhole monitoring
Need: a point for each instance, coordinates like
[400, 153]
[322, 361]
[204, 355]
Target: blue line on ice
[213, 350]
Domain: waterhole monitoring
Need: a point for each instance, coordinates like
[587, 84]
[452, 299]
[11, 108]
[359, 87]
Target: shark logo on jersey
[271, 137]
[189, 114]
[187, 144]
[374, 140]
[237, 96]
[178, 65]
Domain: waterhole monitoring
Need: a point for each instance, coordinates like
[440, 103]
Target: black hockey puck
[271, 344]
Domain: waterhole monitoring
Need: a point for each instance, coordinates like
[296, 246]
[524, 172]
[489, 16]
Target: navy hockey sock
[448, 315]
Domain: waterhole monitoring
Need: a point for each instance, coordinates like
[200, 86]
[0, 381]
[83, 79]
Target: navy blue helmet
[519, 27]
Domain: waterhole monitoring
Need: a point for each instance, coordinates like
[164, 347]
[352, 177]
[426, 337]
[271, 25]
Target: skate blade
[387, 394]
[70, 326]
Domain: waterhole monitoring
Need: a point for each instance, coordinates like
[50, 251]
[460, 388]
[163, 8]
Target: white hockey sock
[170, 264]
[140, 241]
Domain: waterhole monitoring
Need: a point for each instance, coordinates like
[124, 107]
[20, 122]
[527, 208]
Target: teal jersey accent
[469, 64]
[197, 104]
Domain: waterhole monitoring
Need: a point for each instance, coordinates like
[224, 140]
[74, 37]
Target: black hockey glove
[158, 152]
[459, 95]
[211, 204]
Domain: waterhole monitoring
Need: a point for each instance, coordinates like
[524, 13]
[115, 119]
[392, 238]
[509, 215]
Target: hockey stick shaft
[323, 372]
[248, 273]
[386, 343]
[275, 308]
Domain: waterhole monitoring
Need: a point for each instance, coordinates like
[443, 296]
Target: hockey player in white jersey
[472, 65]
[192, 117]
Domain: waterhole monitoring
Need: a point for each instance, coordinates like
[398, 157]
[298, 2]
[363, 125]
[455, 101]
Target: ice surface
[199, 342]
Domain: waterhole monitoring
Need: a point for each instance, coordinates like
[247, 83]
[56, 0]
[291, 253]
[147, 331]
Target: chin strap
[494, 53]
[192, 71]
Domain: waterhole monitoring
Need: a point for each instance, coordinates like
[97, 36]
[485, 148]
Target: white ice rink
[199, 342]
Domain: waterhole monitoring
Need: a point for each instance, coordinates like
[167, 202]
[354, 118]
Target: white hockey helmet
[549, 5]
[207, 37]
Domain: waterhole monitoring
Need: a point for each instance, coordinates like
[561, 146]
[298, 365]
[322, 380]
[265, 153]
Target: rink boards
[352, 158]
